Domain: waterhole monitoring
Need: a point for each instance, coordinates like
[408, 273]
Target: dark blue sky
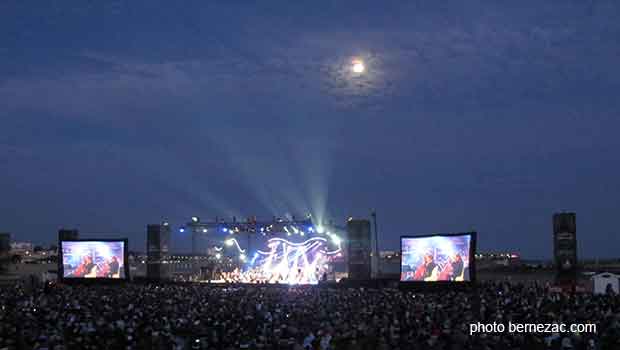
[485, 115]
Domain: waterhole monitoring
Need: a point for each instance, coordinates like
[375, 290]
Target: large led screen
[93, 259]
[445, 258]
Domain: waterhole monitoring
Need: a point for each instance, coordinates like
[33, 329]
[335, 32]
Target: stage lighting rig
[293, 226]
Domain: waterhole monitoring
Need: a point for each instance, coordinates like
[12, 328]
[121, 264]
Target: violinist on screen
[428, 270]
[87, 268]
[453, 269]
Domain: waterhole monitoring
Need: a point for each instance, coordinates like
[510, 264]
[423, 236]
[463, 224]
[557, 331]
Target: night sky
[471, 115]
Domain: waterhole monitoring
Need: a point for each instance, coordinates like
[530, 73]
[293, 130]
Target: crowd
[197, 316]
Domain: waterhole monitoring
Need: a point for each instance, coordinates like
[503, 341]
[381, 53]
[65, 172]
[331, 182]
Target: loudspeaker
[64, 234]
[5, 247]
[157, 246]
[358, 232]
[565, 247]
[5, 243]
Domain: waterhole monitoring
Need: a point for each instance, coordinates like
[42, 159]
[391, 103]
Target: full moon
[358, 67]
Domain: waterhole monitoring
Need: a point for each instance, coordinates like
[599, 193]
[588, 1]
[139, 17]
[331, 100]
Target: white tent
[602, 280]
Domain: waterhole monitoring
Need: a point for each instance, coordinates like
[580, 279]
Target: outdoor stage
[284, 252]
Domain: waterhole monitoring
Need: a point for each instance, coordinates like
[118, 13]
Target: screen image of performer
[114, 267]
[453, 269]
[80, 270]
[90, 268]
[428, 270]
[457, 267]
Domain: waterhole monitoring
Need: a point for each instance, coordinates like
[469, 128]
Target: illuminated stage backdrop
[296, 263]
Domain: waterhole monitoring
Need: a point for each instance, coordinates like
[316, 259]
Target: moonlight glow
[358, 67]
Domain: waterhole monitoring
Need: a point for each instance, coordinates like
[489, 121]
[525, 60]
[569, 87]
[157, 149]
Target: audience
[196, 316]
